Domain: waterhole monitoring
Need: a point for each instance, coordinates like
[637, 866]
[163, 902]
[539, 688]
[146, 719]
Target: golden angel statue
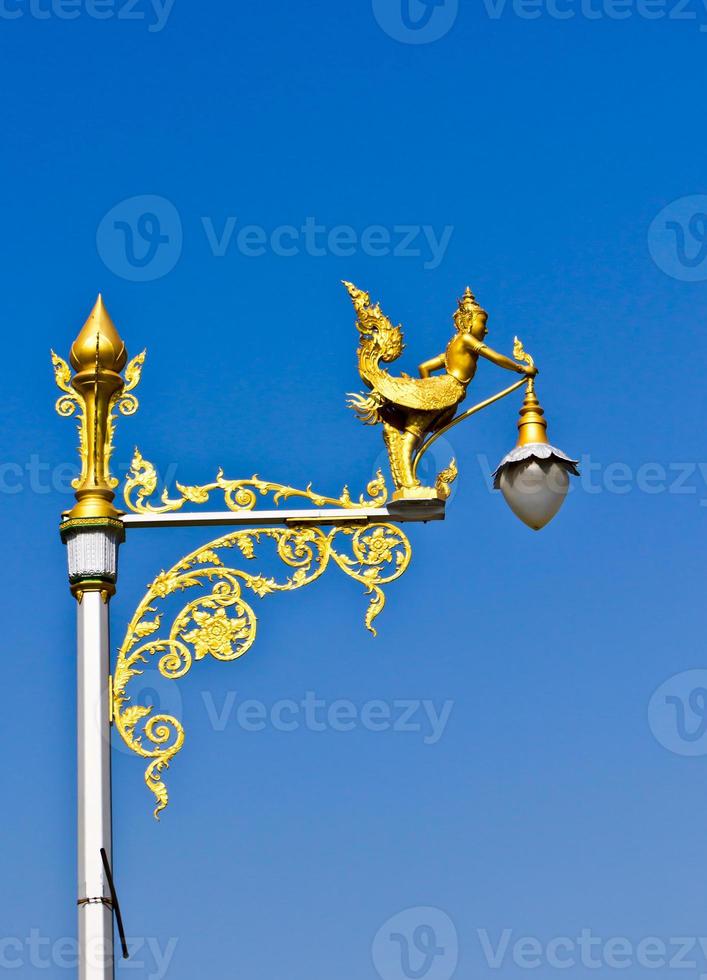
[412, 409]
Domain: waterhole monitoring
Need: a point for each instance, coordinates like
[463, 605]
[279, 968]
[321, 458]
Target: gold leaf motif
[207, 557]
[247, 547]
[133, 714]
[262, 586]
[148, 627]
[62, 374]
[375, 608]
[133, 372]
[165, 583]
[159, 789]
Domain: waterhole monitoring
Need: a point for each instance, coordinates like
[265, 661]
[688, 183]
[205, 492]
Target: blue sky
[552, 157]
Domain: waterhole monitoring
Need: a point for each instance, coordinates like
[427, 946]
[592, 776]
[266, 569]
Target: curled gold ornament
[219, 622]
[239, 495]
[520, 354]
[445, 479]
[69, 404]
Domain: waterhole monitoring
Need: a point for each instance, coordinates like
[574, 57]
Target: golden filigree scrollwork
[124, 402]
[69, 404]
[220, 622]
[239, 495]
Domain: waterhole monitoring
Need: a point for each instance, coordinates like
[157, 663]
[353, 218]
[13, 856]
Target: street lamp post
[92, 532]
[362, 537]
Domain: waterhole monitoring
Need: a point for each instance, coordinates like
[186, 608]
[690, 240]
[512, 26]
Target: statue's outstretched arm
[434, 364]
[505, 362]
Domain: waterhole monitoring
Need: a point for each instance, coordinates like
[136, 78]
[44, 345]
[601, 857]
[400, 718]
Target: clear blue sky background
[549, 147]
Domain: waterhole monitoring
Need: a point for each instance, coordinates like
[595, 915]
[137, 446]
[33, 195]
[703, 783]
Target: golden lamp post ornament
[415, 412]
[361, 536]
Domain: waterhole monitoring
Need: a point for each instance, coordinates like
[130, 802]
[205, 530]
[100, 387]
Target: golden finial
[99, 343]
[98, 356]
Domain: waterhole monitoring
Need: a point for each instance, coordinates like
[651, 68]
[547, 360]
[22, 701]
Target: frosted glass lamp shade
[534, 481]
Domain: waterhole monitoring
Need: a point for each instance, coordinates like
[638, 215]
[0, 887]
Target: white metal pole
[95, 912]
[92, 552]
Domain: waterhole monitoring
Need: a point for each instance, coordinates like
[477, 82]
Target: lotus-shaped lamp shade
[534, 477]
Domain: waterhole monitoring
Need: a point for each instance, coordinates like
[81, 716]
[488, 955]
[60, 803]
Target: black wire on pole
[116, 904]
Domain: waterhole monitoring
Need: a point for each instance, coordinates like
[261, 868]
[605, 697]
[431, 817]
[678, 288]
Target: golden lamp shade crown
[532, 425]
[98, 345]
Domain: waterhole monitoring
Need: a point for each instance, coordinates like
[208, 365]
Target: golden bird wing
[424, 394]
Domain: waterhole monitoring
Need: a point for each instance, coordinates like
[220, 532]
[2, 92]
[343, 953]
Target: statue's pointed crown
[468, 304]
[468, 309]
